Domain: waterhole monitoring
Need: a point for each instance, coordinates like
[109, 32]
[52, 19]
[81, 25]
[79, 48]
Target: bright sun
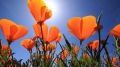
[52, 5]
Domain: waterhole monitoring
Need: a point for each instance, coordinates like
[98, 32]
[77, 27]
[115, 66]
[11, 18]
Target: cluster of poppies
[46, 40]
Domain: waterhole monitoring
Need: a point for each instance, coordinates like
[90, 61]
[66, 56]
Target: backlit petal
[74, 25]
[53, 34]
[59, 37]
[13, 30]
[45, 31]
[6, 25]
[28, 43]
[116, 31]
[39, 10]
[22, 31]
[35, 8]
[94, 45]
[88, 28]
[38, 31]
[48, 14]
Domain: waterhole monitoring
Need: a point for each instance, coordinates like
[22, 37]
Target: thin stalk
[43, 43]
[80, 42]
[99, 32]
[0, 46]
[104, 44]
[64, 63]
[60, 45]
[99, 37]
[31, 60]
[9, 43]
[108, 57]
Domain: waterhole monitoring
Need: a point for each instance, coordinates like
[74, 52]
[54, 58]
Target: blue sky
[17, 11]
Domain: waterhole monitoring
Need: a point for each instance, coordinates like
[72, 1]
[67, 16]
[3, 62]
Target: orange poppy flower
[45, 47]
[115, 31]
[85, 56]
[76, 49]
[39, 10]
[48, 47]
[51, 47]
[48, 37]
[82, 28]
[114, 61]
[5, 50]
[28, 44]
[11, 30]
[5, 47]
[94, 45]
[59, 37]
[46, 57]
[64, 54]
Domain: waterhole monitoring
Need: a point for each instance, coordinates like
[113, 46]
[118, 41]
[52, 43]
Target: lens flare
[53, 6]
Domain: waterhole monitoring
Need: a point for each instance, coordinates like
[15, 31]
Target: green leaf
[67, 42]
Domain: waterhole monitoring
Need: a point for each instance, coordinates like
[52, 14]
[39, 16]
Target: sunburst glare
[53, 6]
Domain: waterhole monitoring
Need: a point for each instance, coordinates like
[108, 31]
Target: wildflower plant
[46, 40]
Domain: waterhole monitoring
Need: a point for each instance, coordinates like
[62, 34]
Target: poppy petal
[28, 43]
[74, 25]
[59, 37]
[5, 25]
[116, 31]
[45, 31]
[53, 34]
[22, 31]
[48, 14]
[94, 45]
[13, 30]
[37, 31]
[43, 12]
[38, 9]
[89, 25]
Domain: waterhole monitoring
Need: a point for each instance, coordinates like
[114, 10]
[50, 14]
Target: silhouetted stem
[104, 44]
[41, 30]
[64, 63]
[60, 45]
[99, 32]
[0, 46]
[99, 38]
[108, 57]
[31, 60]
[9, 43]
[81, 42]
[37, 48]
[43, 43]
